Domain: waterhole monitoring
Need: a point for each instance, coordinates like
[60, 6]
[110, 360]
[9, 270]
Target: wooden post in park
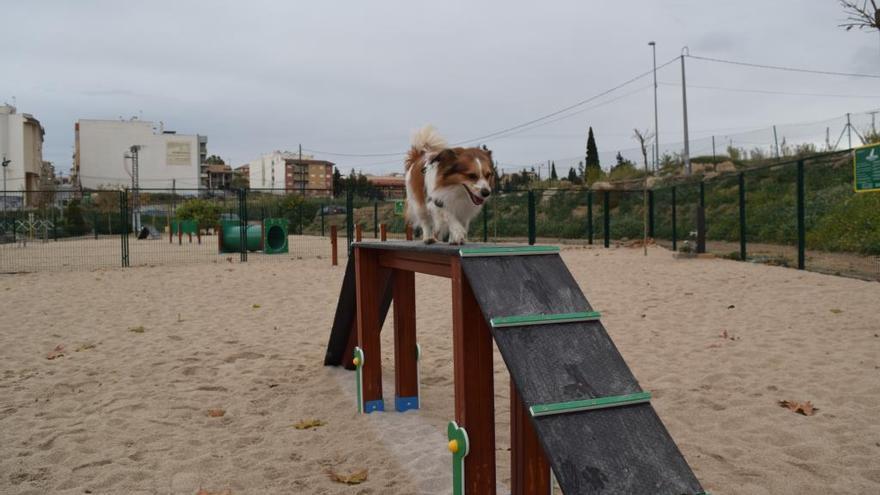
[474, 382]
[334, 255]
[383, 232]
[529, 469]
[358, 232]
[409, 232]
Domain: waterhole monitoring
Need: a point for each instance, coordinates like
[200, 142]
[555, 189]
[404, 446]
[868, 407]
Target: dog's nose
[485, 192]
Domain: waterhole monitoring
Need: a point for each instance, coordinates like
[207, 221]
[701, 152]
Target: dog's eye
[473, 176]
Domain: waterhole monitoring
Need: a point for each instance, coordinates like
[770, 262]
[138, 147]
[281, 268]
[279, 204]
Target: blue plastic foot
[374, 405]
[406, 403]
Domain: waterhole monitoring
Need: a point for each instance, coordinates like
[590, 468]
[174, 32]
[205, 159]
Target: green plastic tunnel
[276, 238]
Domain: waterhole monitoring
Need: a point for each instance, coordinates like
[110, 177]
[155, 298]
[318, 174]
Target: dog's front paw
[456, 240]
[429, 240]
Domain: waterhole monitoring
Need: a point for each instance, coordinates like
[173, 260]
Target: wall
[268, 172]
[163, 159]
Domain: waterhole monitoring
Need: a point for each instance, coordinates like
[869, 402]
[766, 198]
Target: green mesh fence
[842, 227]
[771, 217]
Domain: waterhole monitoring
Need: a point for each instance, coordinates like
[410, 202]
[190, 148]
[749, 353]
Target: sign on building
[866, 168]
[178, 153]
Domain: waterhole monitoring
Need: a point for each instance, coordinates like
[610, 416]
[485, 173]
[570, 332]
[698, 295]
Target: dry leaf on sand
[353, 478]
[805, 408]
[309, 423]
[202, 491]
[216, 413]
[57, 352]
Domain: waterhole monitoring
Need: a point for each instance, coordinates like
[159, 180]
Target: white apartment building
[21, 149]
[165, 159]
[284, 171]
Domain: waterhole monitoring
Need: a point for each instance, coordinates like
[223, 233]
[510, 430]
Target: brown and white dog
[445, 187]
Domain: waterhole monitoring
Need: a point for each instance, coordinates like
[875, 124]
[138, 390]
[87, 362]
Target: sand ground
[149, 350]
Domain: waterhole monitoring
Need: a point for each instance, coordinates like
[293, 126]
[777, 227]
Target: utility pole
[302, 184]
[873, 121]
[848, 131]
[776, 141]
[713, 150]
[135, 188]
[684, 104]
[653, 46]
[5, 163]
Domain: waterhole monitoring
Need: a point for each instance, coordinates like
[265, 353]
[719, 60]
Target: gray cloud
[360, 76]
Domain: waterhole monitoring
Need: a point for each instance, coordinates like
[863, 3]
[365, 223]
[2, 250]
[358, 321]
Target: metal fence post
[742, 216]
[55, 224]
[95, 223]
[532, 233]
[123, 236]
[801, 224]
[300, 214]
[674, 226]
[242, 224]
[486, 223]
[651, 213]
[375, 219]
[349, 218]
[589, 217]
[322, 219]
[606, 216]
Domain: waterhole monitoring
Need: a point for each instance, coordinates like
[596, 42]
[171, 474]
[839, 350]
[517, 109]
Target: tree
[206, 213]
[593, 168]
[572, 176]
[553, 175]
[860, 17]
[214, 160]
[644, 137]
[74, 222]
[338, 185]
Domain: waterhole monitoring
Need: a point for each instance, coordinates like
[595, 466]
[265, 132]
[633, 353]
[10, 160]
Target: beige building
[21, 152]
[283, 171]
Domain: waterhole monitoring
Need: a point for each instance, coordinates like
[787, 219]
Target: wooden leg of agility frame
[474, 386]
[529, 469]
[334, 255]
[405, 353]
[369, 284]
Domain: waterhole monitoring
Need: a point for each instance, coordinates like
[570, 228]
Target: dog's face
[470, 168]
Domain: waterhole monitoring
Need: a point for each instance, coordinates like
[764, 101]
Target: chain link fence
[801, 214]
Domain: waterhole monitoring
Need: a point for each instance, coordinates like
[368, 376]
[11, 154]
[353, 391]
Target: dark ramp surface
[346, 312]
[622, 450]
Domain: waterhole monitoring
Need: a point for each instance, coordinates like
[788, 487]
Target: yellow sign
[178, 153]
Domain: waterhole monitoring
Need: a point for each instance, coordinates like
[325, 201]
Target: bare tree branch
[860, 17]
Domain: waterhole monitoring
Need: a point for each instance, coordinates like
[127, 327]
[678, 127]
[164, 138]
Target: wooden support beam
[529, 468]
[406, 377]
[334, 246]
[474, 385]
[383, 232]
[409, 232]
[358, 232]
[416, 262]
[369, 289]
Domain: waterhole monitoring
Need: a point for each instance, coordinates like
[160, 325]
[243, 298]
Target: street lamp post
[5, 163]
[653, 46]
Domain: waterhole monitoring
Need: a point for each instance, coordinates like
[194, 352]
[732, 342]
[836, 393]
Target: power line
[570, 107]
[770, 92]
[783, 68]
[507, 130]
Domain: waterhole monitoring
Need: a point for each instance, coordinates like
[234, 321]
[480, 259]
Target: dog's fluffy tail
[428, 139]
[425, 140]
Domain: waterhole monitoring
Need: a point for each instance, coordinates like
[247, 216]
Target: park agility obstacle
[268, 236]
[575, 405]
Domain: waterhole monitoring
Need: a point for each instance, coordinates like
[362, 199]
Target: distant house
[21, 150]
[243, 174]
[283, 171]
[392, 186]
[218, 176]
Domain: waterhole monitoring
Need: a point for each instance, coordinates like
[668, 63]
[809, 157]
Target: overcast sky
[358, 77]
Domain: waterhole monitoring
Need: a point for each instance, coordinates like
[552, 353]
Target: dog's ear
[445, 156]
[487, 151]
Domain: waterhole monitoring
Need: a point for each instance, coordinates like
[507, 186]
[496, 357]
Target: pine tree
[592, 151]
[572, 175]
[593, 168]
[553, 175]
